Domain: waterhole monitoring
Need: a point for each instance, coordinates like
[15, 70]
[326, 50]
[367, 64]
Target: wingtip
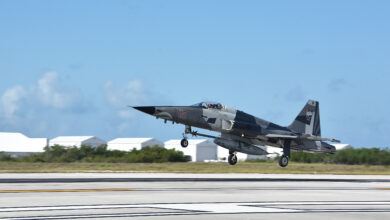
[336, 141]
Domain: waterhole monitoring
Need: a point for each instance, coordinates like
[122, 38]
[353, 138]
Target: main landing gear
[283, 160]
[232, 159]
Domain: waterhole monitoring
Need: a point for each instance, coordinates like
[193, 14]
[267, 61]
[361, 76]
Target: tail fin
[308, 120]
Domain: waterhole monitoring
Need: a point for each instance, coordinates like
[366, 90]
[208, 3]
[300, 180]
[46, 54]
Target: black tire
[184, 142]
[232, 159]
[283, 161]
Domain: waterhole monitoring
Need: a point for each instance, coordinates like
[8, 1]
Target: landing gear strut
[232, 159]
[283, 160]
[184, 141]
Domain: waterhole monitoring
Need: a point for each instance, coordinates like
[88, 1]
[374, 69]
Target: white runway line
[193, 207]
[181, 209]
[253, 207]
[94, 216]
[225, 208]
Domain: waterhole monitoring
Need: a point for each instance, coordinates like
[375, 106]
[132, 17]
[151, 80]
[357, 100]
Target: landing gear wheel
[232, 159]
[283, 161]
[184, 142]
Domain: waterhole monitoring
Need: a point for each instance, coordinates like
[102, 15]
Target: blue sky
[72, 67]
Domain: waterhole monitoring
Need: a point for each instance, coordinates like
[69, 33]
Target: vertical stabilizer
[308, 120]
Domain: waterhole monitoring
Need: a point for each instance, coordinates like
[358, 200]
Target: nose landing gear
[184, 141]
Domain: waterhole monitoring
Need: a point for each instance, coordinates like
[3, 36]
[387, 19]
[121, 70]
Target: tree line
[156, 154]
[368, 156]
[86, 153]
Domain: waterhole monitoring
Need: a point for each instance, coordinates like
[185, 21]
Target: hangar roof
[71, 138]
[17, 142]
[130, 140]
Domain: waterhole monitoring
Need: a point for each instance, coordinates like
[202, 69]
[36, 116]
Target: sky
[72, 67]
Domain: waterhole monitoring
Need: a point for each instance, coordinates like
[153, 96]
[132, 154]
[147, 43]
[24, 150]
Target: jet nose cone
[146, 109]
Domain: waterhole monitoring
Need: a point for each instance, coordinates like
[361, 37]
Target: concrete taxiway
[190, 196]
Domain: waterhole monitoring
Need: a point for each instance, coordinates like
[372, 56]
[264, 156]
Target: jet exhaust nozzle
[327, 148]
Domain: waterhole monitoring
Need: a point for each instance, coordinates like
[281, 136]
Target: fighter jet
[242, 132]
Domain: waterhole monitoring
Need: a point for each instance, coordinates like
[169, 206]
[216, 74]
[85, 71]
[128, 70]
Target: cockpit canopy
[209, 105]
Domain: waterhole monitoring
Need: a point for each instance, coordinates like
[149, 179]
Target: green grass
[241, 167]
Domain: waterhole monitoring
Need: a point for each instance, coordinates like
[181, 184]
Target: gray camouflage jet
[242, 132]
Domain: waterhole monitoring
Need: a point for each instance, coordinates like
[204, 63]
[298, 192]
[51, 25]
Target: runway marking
[186, 189]
[64, 190]
[184, 179]
[199, 209]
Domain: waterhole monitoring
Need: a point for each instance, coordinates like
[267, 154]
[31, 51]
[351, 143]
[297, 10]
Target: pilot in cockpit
[209, 105]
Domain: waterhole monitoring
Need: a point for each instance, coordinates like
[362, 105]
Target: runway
[190, 196]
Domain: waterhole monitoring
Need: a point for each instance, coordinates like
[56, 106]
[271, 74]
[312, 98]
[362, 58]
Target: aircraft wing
[312, 138]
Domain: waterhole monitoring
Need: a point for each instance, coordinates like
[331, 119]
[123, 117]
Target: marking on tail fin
[309, 114]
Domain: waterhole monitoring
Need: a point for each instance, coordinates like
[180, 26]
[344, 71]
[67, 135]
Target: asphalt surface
[193, 196]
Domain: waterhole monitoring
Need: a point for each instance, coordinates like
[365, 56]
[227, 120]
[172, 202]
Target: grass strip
[241, 167]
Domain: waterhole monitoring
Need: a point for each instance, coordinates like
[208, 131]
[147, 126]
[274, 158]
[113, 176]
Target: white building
[273, 152]
[342, 146]
[127, 144]
[198, 150]
[17, 144]
[70, 141]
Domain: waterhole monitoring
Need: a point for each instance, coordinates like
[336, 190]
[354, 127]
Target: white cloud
[133, 93]
[34, 108]
[50, 107]
[11, 101]
[49, 91]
